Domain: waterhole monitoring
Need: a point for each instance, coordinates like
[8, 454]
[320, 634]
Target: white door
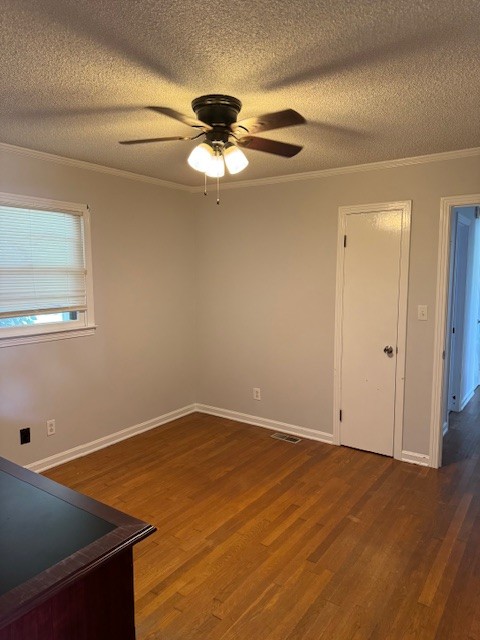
[457, 326]
[370, 322]
[478, 345]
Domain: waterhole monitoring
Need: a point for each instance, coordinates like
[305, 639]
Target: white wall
[196, 302]
[138, 365]
[266, 286]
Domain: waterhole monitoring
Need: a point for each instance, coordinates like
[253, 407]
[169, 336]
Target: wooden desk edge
[128, 531]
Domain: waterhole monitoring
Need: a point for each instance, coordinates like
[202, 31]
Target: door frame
[405, 206]
[447, 205]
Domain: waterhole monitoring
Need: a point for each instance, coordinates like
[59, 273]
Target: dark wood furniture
[66, 564]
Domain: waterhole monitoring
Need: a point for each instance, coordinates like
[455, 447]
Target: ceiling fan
[216, 119]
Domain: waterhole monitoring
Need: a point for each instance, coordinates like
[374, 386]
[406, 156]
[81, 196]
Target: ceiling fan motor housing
[217, 110]
[216, 117]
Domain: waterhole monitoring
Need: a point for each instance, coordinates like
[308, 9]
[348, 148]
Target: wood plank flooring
[259, 539]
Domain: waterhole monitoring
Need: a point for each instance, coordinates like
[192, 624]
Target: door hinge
[344, 241]
[341, 414]
[443, 355]
[453, 329]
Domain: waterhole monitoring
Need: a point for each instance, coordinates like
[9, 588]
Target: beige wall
[138, 365]
[266, 290]
[196, 302]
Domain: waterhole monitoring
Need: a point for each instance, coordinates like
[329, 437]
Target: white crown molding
[90, 166]
[358, 168]
[258, 182]
[101, 443]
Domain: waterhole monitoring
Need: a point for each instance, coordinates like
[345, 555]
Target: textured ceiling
[375, 79]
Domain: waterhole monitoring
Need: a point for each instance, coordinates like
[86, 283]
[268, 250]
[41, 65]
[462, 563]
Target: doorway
[372, 282]
[456, 366]
[462, 375]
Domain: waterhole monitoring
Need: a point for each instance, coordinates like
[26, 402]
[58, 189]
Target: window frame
[85, 322]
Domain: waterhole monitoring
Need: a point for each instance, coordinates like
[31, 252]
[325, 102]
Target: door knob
[389, 351]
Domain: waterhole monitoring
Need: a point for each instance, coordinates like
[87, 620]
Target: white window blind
[42, 262]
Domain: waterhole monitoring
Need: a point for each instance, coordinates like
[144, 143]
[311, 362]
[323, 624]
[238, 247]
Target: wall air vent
[286, 438]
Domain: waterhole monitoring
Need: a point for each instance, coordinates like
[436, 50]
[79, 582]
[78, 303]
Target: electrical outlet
[25, 435]
[50, 427]
[257, 394]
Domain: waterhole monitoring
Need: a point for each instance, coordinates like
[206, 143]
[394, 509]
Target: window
[45, 270]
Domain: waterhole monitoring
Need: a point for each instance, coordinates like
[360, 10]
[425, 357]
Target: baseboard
[416, 458]
[101, 443]
[445, 428]
[303, 432]
[466, 399]
[266, 423]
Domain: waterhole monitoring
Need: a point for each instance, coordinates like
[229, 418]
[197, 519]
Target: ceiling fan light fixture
[216, 117]
[216, 166]
[235, 159]
[201, 157]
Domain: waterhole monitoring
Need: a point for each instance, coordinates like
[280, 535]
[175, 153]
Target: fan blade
[171, 113]
[269, 146]
[154, 140]
[269, 121]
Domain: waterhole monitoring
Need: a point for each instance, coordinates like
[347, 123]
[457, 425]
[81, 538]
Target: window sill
[47, 336]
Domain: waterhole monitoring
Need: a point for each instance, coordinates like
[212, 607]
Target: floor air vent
[286, 438]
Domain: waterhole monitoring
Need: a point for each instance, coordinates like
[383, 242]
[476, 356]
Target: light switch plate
[422, 313]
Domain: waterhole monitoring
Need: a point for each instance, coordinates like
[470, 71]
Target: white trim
[402, 328]
[440, 328]
[307, 175]
[445, 428]
[85, 323]
[415, 458]
[338, 337]
[47, 336]
[24, 201]
[406, 207]
[466, 399]
[266, 423]
[357, 168]
[453, 360]
[87, 230]
[101, 443]
[273, 425]
[90, 166]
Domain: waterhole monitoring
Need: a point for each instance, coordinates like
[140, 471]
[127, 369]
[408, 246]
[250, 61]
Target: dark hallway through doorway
[463, 438]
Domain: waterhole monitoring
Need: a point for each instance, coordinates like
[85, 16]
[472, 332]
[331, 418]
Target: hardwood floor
[259, 539]
[463, 438]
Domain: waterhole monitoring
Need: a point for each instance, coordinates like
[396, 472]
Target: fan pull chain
[218, 155]
[205, 185]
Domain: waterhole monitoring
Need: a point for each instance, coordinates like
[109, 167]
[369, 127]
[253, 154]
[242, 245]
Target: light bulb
[235, 159]
[216, 167]
[200, 157]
